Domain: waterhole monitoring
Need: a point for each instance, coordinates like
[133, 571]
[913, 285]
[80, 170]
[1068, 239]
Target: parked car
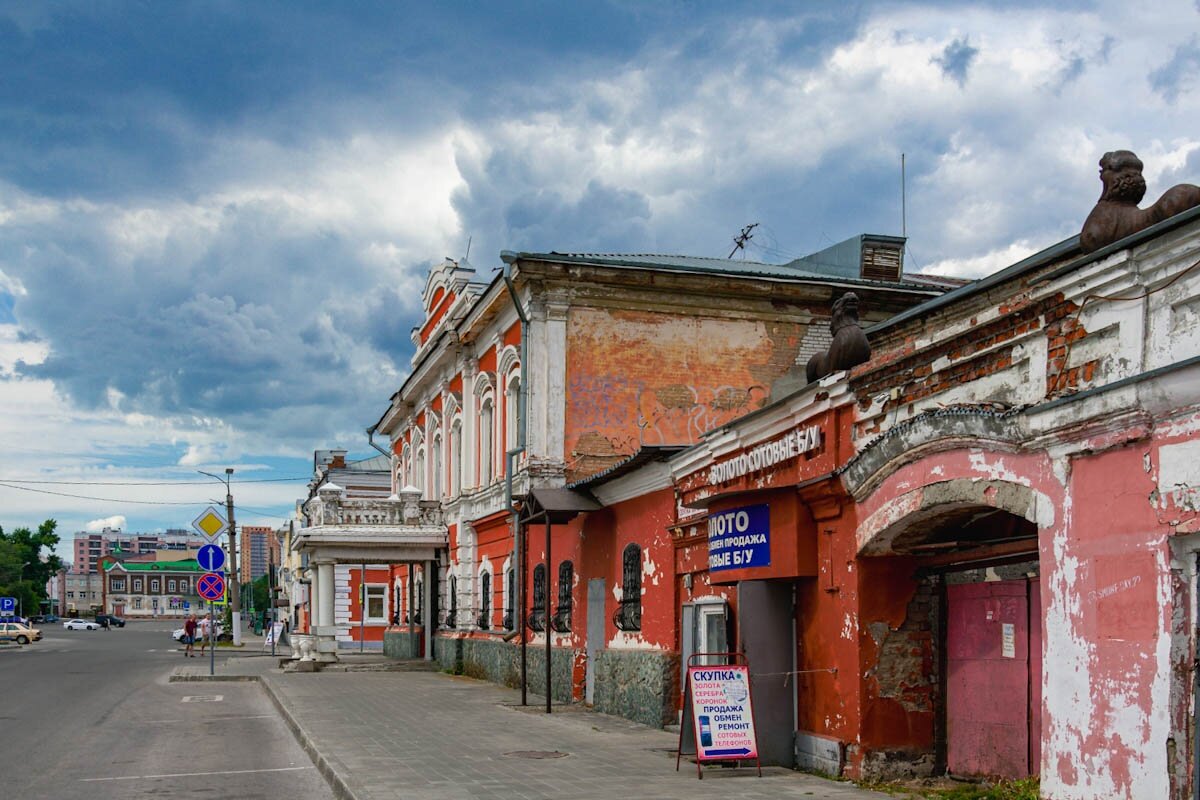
[44, 619]
[17, 632]
[219, 633]
[113, 620]
[81, 625]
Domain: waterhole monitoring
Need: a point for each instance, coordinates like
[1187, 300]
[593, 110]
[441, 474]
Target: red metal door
[987, 680]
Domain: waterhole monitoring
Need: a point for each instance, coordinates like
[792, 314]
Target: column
[430, 622]
[327, 632]
[314, 614]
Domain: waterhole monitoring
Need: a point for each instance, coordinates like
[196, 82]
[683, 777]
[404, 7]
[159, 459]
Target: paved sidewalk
[420, 734]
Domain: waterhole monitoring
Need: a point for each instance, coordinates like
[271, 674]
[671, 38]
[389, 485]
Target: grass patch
[1023, 789]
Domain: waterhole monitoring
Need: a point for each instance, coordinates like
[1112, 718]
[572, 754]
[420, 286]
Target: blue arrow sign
[211, 558]
[7, 605]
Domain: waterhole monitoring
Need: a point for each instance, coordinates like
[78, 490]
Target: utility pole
[233, 583]
[739, 241]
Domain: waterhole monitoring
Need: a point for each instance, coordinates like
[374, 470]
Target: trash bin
[258, 628]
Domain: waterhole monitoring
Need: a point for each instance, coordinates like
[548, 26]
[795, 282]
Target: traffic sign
[210, 524]
[211, 558]
[8, 606]
[211, 586]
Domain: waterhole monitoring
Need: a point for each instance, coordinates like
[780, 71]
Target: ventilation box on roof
[872, 257]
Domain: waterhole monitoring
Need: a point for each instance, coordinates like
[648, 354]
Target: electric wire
[146, 483]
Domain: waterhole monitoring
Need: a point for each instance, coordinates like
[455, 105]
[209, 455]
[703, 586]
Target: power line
[99, 499]
[145, 483]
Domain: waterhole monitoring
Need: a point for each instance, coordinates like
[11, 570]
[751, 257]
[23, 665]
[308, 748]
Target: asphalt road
[90, 714]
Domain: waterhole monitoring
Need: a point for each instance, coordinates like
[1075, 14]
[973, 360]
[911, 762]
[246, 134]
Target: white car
[81, 625]
[177, 635]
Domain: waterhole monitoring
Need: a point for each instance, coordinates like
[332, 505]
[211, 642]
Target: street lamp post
[21, 596]
[235, 597]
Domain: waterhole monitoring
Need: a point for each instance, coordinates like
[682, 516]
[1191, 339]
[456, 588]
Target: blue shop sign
[740, 538]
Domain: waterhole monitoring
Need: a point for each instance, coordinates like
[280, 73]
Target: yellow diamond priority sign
[210, 524]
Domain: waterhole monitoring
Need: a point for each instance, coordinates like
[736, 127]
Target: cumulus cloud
[97, 525]
[197, 273]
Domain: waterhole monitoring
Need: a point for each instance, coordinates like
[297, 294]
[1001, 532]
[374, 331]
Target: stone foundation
[641, 685]
[401, 644]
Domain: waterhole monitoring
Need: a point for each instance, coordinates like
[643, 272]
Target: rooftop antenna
[739, 241]
[903, 202]
[468, 255]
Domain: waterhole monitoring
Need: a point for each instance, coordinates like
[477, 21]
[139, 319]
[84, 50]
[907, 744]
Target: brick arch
[925, 504]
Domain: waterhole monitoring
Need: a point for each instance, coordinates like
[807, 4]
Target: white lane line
[206, 719]
[193, 774]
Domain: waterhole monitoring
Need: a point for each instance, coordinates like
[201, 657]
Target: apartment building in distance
[257, 550]
[90, 547]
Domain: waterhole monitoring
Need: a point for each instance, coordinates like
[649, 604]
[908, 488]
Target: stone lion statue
[849, 346]
[1116, 214]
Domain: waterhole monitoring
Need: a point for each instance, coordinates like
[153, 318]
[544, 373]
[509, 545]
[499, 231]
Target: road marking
[208, 719]
[193, 774]
[203, 698]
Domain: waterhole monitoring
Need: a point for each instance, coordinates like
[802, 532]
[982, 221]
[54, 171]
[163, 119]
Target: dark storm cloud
[1179, 73]
[956, 60]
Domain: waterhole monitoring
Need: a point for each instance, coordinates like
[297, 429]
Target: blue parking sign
[8, 606]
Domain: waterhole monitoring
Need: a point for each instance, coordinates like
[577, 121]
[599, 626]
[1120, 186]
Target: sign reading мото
[740, 538]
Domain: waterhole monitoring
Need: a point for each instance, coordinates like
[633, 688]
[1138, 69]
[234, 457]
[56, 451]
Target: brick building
[612, 356]
[151, 588]
[89, 548]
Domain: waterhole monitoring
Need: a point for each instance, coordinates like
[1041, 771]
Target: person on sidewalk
[205, 633]
[189, 636]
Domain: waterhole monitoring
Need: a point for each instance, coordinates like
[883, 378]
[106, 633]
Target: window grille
[537, 615]
[628, 616]
[484, 620]
[452, 609]
[562, 612]
[509, 610]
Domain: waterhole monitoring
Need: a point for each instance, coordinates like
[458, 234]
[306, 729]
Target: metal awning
[557, 505]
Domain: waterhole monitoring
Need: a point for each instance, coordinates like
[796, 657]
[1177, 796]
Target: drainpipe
[510, 458]
[371, 440]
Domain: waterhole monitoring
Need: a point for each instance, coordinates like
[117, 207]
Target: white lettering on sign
[796, 442]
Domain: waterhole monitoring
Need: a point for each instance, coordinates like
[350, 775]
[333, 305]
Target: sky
[216, 219]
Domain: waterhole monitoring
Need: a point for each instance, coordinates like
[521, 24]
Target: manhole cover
[536, 754]
[203, 698]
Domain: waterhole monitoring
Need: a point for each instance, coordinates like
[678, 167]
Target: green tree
[261, 594]
[24, 570]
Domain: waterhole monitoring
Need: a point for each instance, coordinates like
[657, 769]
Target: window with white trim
[376, 603]
[456, 459]
[512, 399]
[436, 462]
[486, 434]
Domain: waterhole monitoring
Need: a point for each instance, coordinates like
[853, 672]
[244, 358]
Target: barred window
[562, 612]
[537, 615]
[452, 611]
[511, 597]
[628, 616]
[485, 601]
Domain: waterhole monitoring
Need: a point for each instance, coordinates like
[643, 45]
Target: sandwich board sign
[210, 524]
[718, 709]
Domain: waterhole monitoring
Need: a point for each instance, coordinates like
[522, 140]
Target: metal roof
[712, 266]
[560, 505]
[644, 455]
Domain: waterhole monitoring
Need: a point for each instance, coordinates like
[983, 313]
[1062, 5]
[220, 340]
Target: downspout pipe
[371, 440]
[510, 458]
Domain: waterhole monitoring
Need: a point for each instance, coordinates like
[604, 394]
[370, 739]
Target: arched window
[510, 583]
[628, 616]
[537, 615]
[419, 469]
[562, 611]
[484, 621]
[456, 459]
[451, 601]
[512, 399]
[419, 599]
[436, 461]
[486, 434]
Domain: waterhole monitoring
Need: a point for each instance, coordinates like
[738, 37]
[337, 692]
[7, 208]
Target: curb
[336, 783]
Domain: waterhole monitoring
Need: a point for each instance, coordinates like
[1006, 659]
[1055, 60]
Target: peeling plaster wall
[642, 377]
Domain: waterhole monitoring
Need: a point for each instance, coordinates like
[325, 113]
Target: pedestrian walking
[189, 636]
[205, 632]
